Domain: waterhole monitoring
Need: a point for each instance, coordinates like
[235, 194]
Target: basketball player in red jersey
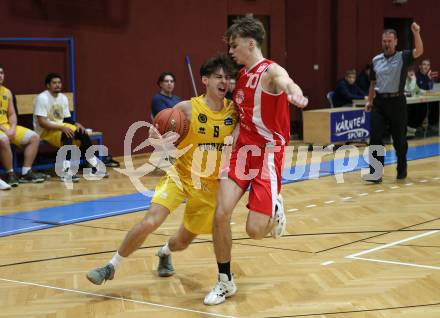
[262, 95]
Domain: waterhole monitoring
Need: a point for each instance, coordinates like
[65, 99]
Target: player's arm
[236, 130]
[371, 94]
[12, 120]
[12, 116]
[47, 124]
[418, 44]
[281, 82]
[186, 108]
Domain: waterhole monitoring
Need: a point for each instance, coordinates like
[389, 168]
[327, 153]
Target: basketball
[171, 119]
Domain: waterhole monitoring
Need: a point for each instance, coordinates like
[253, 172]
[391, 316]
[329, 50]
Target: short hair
[50, 77]
[390, 31]
[246, 27]
[220, 61]
[1, 66]
[423, 60]
[351, 71]
[163, 75]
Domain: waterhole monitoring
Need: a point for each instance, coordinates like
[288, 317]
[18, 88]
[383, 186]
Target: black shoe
[377, 181]
[101, 274]
[165, 267]
[68, 176]
[31, 177]
[401, 171]
[96, 174]
[11, 179]
[368, 178]
[401, 175]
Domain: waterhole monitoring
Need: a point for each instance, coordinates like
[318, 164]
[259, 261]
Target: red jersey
[264, 117]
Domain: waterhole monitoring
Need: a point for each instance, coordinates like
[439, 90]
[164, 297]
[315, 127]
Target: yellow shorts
[22, 135]
[53, 137]
[200, 203]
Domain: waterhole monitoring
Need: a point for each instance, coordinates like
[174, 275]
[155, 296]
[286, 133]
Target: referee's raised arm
[418, 44]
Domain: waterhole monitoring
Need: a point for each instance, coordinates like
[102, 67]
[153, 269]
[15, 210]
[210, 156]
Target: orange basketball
[171, 119]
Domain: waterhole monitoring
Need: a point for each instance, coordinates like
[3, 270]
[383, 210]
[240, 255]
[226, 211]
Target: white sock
[93, 161]
[25, 170]
[165, 250]
[116, 260]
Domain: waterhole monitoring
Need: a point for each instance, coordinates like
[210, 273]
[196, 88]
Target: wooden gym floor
[351, 251]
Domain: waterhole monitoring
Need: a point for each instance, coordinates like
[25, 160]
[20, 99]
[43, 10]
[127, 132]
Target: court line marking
[397, 263]
[24, 228]
[356, 255]
[76, 291]
[71, 221]
[327, 263]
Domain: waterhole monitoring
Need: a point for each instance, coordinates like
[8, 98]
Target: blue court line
[85, 211]
[73, 213]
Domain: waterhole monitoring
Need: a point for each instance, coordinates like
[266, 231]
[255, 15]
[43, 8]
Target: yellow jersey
[206, 135]
[5, 97]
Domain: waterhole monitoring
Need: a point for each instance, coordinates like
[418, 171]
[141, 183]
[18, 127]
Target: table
[341, 124]
[409, 100]
[428, 98]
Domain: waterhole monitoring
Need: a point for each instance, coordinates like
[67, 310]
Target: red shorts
[259, 167]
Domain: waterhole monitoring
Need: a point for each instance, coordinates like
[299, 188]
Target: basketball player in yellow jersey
[20, 136]
[211, 118]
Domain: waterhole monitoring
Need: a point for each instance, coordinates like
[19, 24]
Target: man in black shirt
[387, 101]
[347, 90]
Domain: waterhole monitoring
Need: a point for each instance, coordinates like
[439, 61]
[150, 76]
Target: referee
[387, 101]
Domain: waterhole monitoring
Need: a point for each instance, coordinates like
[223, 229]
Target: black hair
[50, 77]
[220, 61]
[163, 75]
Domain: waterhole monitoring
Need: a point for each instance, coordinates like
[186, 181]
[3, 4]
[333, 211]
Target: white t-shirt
[55, 109]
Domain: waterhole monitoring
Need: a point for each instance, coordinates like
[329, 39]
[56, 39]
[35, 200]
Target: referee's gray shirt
[390, 72]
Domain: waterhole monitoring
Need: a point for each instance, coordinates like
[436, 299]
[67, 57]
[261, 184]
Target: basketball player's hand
[368, 107]
[298, 100]
[67, 131]
[154, 132]
[10, 133]
[415, 28]
[80, 127]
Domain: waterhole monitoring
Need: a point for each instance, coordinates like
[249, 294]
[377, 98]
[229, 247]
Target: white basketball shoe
[279, 219]
[223, 289]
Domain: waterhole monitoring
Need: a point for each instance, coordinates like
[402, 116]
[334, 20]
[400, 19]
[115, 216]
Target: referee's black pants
[392, 111]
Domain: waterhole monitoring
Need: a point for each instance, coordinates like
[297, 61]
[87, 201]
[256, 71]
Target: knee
[4, 142]
[35, 139]
[181, 244]
[255, 232]
[148, 225]
[222, 216]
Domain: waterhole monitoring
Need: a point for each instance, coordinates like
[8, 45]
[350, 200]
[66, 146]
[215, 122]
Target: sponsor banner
[350, 125]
